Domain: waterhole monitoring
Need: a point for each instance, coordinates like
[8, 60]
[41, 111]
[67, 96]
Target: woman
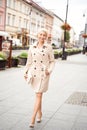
[40, 64]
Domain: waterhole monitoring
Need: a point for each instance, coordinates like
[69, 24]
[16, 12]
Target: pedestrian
[40, 63]
[86, 50]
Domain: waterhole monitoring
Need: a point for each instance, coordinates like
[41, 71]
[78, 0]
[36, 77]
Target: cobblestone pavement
[63, 107]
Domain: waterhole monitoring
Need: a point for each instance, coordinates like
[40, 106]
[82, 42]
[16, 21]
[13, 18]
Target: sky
[76, 9]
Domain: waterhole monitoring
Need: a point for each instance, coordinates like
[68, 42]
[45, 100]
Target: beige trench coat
[38, 60]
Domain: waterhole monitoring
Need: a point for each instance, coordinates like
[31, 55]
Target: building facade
[57, 31]
[2, 14]
[23, 19]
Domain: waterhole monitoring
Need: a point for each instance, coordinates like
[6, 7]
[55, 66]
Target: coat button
[44, 47]
[35, 68]
[34, 60]
[43, 54]
[42, 69]
[41, 61]
[34, 75]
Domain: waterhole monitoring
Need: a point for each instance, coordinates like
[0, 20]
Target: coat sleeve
[51, 60]
[29, 61]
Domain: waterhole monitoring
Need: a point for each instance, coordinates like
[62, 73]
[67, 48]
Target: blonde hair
[43, 30]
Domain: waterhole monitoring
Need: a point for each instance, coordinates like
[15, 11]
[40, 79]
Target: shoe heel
[31, 125]
[38, 120]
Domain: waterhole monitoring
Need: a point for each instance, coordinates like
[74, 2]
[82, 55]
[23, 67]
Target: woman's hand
[25, 76]
[47, 72]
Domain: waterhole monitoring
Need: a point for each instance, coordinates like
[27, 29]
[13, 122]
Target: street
[17, 52]
[64, 105]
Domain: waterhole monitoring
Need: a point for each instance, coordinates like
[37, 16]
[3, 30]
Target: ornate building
[2, 14]
[24, 18]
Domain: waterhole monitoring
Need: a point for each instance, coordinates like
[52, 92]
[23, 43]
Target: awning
[3, 33]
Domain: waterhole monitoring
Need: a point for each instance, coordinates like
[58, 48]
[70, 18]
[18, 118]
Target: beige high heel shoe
[39, 119]
[31, 125]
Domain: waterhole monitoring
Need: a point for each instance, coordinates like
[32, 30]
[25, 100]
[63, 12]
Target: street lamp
[30, 14]
[63, 51]
[30, 17]
[85, 34]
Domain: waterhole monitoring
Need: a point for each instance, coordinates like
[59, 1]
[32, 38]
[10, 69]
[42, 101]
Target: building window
[9, 19]
[1, 3]
[0, 19]
[9, 3]
[24, 23]
[23, 8]
[14, 4]
[20, 6]
[19, 22]
[13, 20]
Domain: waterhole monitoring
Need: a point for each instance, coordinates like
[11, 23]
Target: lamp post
[64, 56]
[85, 33]
[30, 13]
[30, 17]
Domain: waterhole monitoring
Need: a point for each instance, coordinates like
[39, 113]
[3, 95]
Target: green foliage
[14, 57]
[55, 52]
[2, 56]
[23, 55]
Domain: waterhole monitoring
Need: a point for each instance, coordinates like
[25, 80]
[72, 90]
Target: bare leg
[39, 113]
[37, 107]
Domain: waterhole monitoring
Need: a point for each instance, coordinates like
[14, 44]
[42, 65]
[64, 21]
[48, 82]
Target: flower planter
[22, 61]
[23, 58]
[3, 60]
[66, 27]
[2, 64]
[56, 56]
[64, 56]
[14, 62]
[84, 35]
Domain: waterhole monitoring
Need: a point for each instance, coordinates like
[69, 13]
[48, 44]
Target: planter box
[22, 61]
[64, 57]
[2, 64]
[15, 62]
[56, 56]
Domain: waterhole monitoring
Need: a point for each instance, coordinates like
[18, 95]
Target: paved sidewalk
[64, 105]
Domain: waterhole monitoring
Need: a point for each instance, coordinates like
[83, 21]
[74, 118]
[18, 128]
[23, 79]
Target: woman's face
[42, 36]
